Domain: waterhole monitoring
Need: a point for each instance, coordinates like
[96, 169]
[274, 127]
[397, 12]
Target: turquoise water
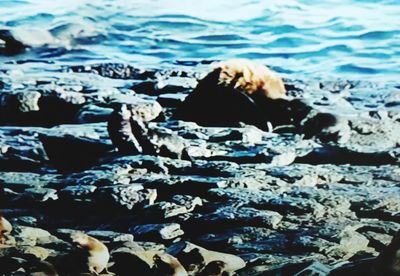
[350, 39]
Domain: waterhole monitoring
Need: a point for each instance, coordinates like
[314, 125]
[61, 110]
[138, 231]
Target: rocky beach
[281, 203]
[238, 199]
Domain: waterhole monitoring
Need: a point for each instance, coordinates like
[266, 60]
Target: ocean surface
[350, 39]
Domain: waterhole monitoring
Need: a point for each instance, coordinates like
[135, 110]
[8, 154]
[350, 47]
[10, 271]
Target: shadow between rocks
[338, 156]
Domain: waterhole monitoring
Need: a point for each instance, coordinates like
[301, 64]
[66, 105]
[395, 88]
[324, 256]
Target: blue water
[352, 39]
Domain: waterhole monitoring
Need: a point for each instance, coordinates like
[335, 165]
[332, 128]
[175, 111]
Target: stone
[158, 232]
[93, 114]
[316, 269]
[128, 196]
[238, 215]
[37, 252]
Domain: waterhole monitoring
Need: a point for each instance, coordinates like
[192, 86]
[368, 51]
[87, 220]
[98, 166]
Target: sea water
[350, 39]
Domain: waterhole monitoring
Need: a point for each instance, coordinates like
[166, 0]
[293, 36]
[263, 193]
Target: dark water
[350, 39]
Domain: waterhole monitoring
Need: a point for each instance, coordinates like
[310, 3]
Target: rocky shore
[250, 202]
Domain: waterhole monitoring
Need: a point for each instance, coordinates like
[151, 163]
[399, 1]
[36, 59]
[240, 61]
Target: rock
[315, 269]
[93, 114]
[76, 153]
[77, 192]
[165, 209]
[350, 243]
[110, 236]
[248, 134]
[20, 150]
[17, 39]
[12, 264]
[189, 202]
[27, 252]
[40, 194]
[128, 196]
[28, 101]
[158, 232]
[145, 110]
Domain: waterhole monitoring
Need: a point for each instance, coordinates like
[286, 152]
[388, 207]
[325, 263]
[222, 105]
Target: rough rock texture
[250, 201]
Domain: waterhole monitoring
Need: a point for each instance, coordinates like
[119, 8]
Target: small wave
[291, 42]
[379, 35]
[297, 54]
[276, 29]
[221, 37]
[173, 25]
[352, 68]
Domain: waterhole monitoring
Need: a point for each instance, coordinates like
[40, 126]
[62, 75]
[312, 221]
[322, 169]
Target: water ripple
[331, 38]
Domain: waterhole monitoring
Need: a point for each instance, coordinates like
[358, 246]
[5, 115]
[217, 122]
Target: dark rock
[75, 154]
[93, 114]
[314, 269]
[157, 232]
[181, 204]
[128, 196]
[226, 216]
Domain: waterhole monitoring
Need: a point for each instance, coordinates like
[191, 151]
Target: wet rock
[314, 269]
[17, 39]
[19, 181]
[12, 264]
[93, 114]
[26, 101]
[157, 232]
[114, 70]
[371, 135]
[76, 153]
[350, 242]
[77, 192]
[20, 150]
[27, 252]
[110, 236]
[237, 215]
[144, 109]
[181, 204]
[170, 99]
[189, 202]
[165, 209]
[128, 196]
[39, 194]
[248, 134]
